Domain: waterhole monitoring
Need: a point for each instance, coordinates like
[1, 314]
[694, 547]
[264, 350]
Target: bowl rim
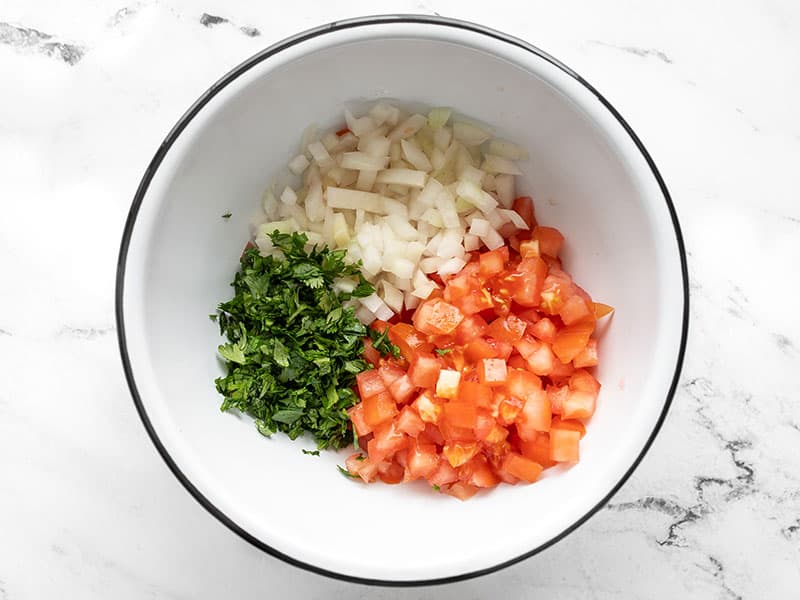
[176, 131]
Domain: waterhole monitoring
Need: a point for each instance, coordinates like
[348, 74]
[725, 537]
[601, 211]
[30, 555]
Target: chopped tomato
[524, 208]
[475, 393]
[428, 410]
[378, 409]
[492, 371]
[601, 310]
[575, 310]
[556, 394]
[529, 249]
[424, 371]
[538, 449]
[564, 444]
[390, 372]
[422, 461]
[521, 467]
[409, 422]
[584, 381]
[550, 240]
[508, 329]
[493, 262]
[437, 317]
[358, 464]
[461, 414]
[444, 474]
[478, 349]
[587, 357]
[578, 405]
[391, 472]
[410, 341]
[543, 329]
[357, 419]
[571, 340]
[459, 453]
[472, 327]
[371, 355]
[535, 416]
[527, 287]
[388, 440]
[461, 490]
[369, 384]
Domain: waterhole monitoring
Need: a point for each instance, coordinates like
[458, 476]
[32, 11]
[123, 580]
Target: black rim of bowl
[170, 140]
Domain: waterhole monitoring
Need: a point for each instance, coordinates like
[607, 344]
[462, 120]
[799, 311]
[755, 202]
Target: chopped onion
[408, 127]
[354, 200]
[471, 242]
[431, 264]
[407, 177]
[505, 189]
[514, 217]
[288, 196]
[493, 240]
[438, 117]
[392, 296]
[365, 181]
[319, 152]
[452, 266]
[298, 164]
[361, 161]
[479, 227]
[469, 134]
[414, 154]
[375, 145]
[497, 164]
[507, 149]
[359, 126]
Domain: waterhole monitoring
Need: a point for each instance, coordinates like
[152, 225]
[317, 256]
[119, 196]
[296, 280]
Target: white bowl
[591, 177]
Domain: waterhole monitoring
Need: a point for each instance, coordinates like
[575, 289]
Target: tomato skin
[357, 418]
[571, 340]
[493, 262]
[550, 240]
[424, 371]
[472, 327]
[576, 310]
[564, 444]
[543, 329]
[369, 384]
[409, 422]
[601, 310]
[378, 409]
[535, 416]
[508, 329]
[527, 288]
[437, 317]
[422, 461]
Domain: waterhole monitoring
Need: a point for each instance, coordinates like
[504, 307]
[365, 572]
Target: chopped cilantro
[436, 488]
[443, 351]
[381, 343]
[226, 216]
[311, 452]
[346, 473]
[294, 343]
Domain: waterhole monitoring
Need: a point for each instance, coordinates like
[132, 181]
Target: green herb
[381, 343]
[443, 351]
[346, 473]
[294, 344]
[226, 216]
[361, 457]
[311, 452]
[436, 488]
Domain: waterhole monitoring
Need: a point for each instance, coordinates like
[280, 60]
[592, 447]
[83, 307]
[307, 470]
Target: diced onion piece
[361, 161]
[408, 177]
[514, 217]
[471, 242]
[451, 244]
[371, 259]
[446, 205]
[414, 251]
[402, 228]
[451, 266]
[438, 117]
[392, 296]
[270, 204]
[341, 232]
[469, 134]
[471, 174]
[381, 113]
[314, 202]
[447, 384]
[479, 227]
[507, 149]
[375, 145]
[288, 196]
[319, 152]
[414, 154]
[364, 315]
[402, 267]
[411, 301]
[384, 313]
[504, 185]
[431, 264]
[347, 143]
[366, 179]
[359, 126]
[287, 226]
[394, 207]
[496, 219]
[442, 138]
[493, 240]
[476, 196]
[403, 284]
[408, 127]
[423, 287]
[330, 140]
[498, 164]
[488, 183]
[355, 199]
[298, 164]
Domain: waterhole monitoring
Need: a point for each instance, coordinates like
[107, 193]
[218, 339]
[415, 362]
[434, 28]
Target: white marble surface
[89, 510]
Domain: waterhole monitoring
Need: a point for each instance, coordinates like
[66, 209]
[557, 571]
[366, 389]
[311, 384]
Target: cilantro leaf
[311, 452]
[443, 351]
[380, 341]
[346, 473]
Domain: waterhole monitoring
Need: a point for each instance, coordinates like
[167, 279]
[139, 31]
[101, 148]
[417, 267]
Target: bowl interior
[588, 179]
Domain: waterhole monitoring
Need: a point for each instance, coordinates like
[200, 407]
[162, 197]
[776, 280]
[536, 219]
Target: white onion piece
[384, 313]
[371, 258]
[442, 138]
[392, 296]
[411, 301]
[298, 164]
[433, 216]
[438, 117]
[414, 154]
[314, 201]
[469, 134]
[476, 196]
[375, 145]
[270, 204]
[431, 264]
[288, 196]
[504, 185]
[400, 266]
[497, 164]
[319, 152]
[493, 240]
[471, 174]
[446, 205]
[471, 242]
[364, 315]
[406, 177]
[359, 126]
[496, 219]
[408, 127]
[451, 244]
[355, 199]
[381, 113]
[451, 266]
[507, 149]
[479, 227]
[514, 217]
[330, 140]
[361, 161]
[365, 181]
[401, 228]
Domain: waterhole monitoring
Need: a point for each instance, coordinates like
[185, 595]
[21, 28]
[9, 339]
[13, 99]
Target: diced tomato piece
[461, 490]
[357, 418]
[473, 326]
[561, 370]
[379, 325]
[459, 453]
[391, 472]
[556, 290]
[528, 285]
[493, 262]
[509, 329]
[369, 384]
[492, 371]
[526, 346]
[550, 240]
[382, 448]
[535, 416]
[542, 360]
[370, 354]
[578, 405]
[422, 461]
[390, 372]
[521, 383]
[378, 409]
[437, 317]
[488, 430]
[569, 424]
[575, 310]
[410, 341]
[587, 357]
[424, 371]
[538, 449]
[461, 414]
[358, 464]
[518, 362]
[342, 131]
[543, 329]
[524, 207]
[521, 467]
[474, 302]
[564, 444]
[474, 393]
[428, 410]
[501, 349]
[584, 381]
[477, 472]
[452, 433]
[478, 349]
[443, 475]
[431, 435]
[509, 410]
[570, 341]
[601, 310]
[556, 394]
[409, 422]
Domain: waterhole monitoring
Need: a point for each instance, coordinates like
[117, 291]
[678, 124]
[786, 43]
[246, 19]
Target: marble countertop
[89, 89]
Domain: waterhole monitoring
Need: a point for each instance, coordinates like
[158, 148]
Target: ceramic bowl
[590, 176]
